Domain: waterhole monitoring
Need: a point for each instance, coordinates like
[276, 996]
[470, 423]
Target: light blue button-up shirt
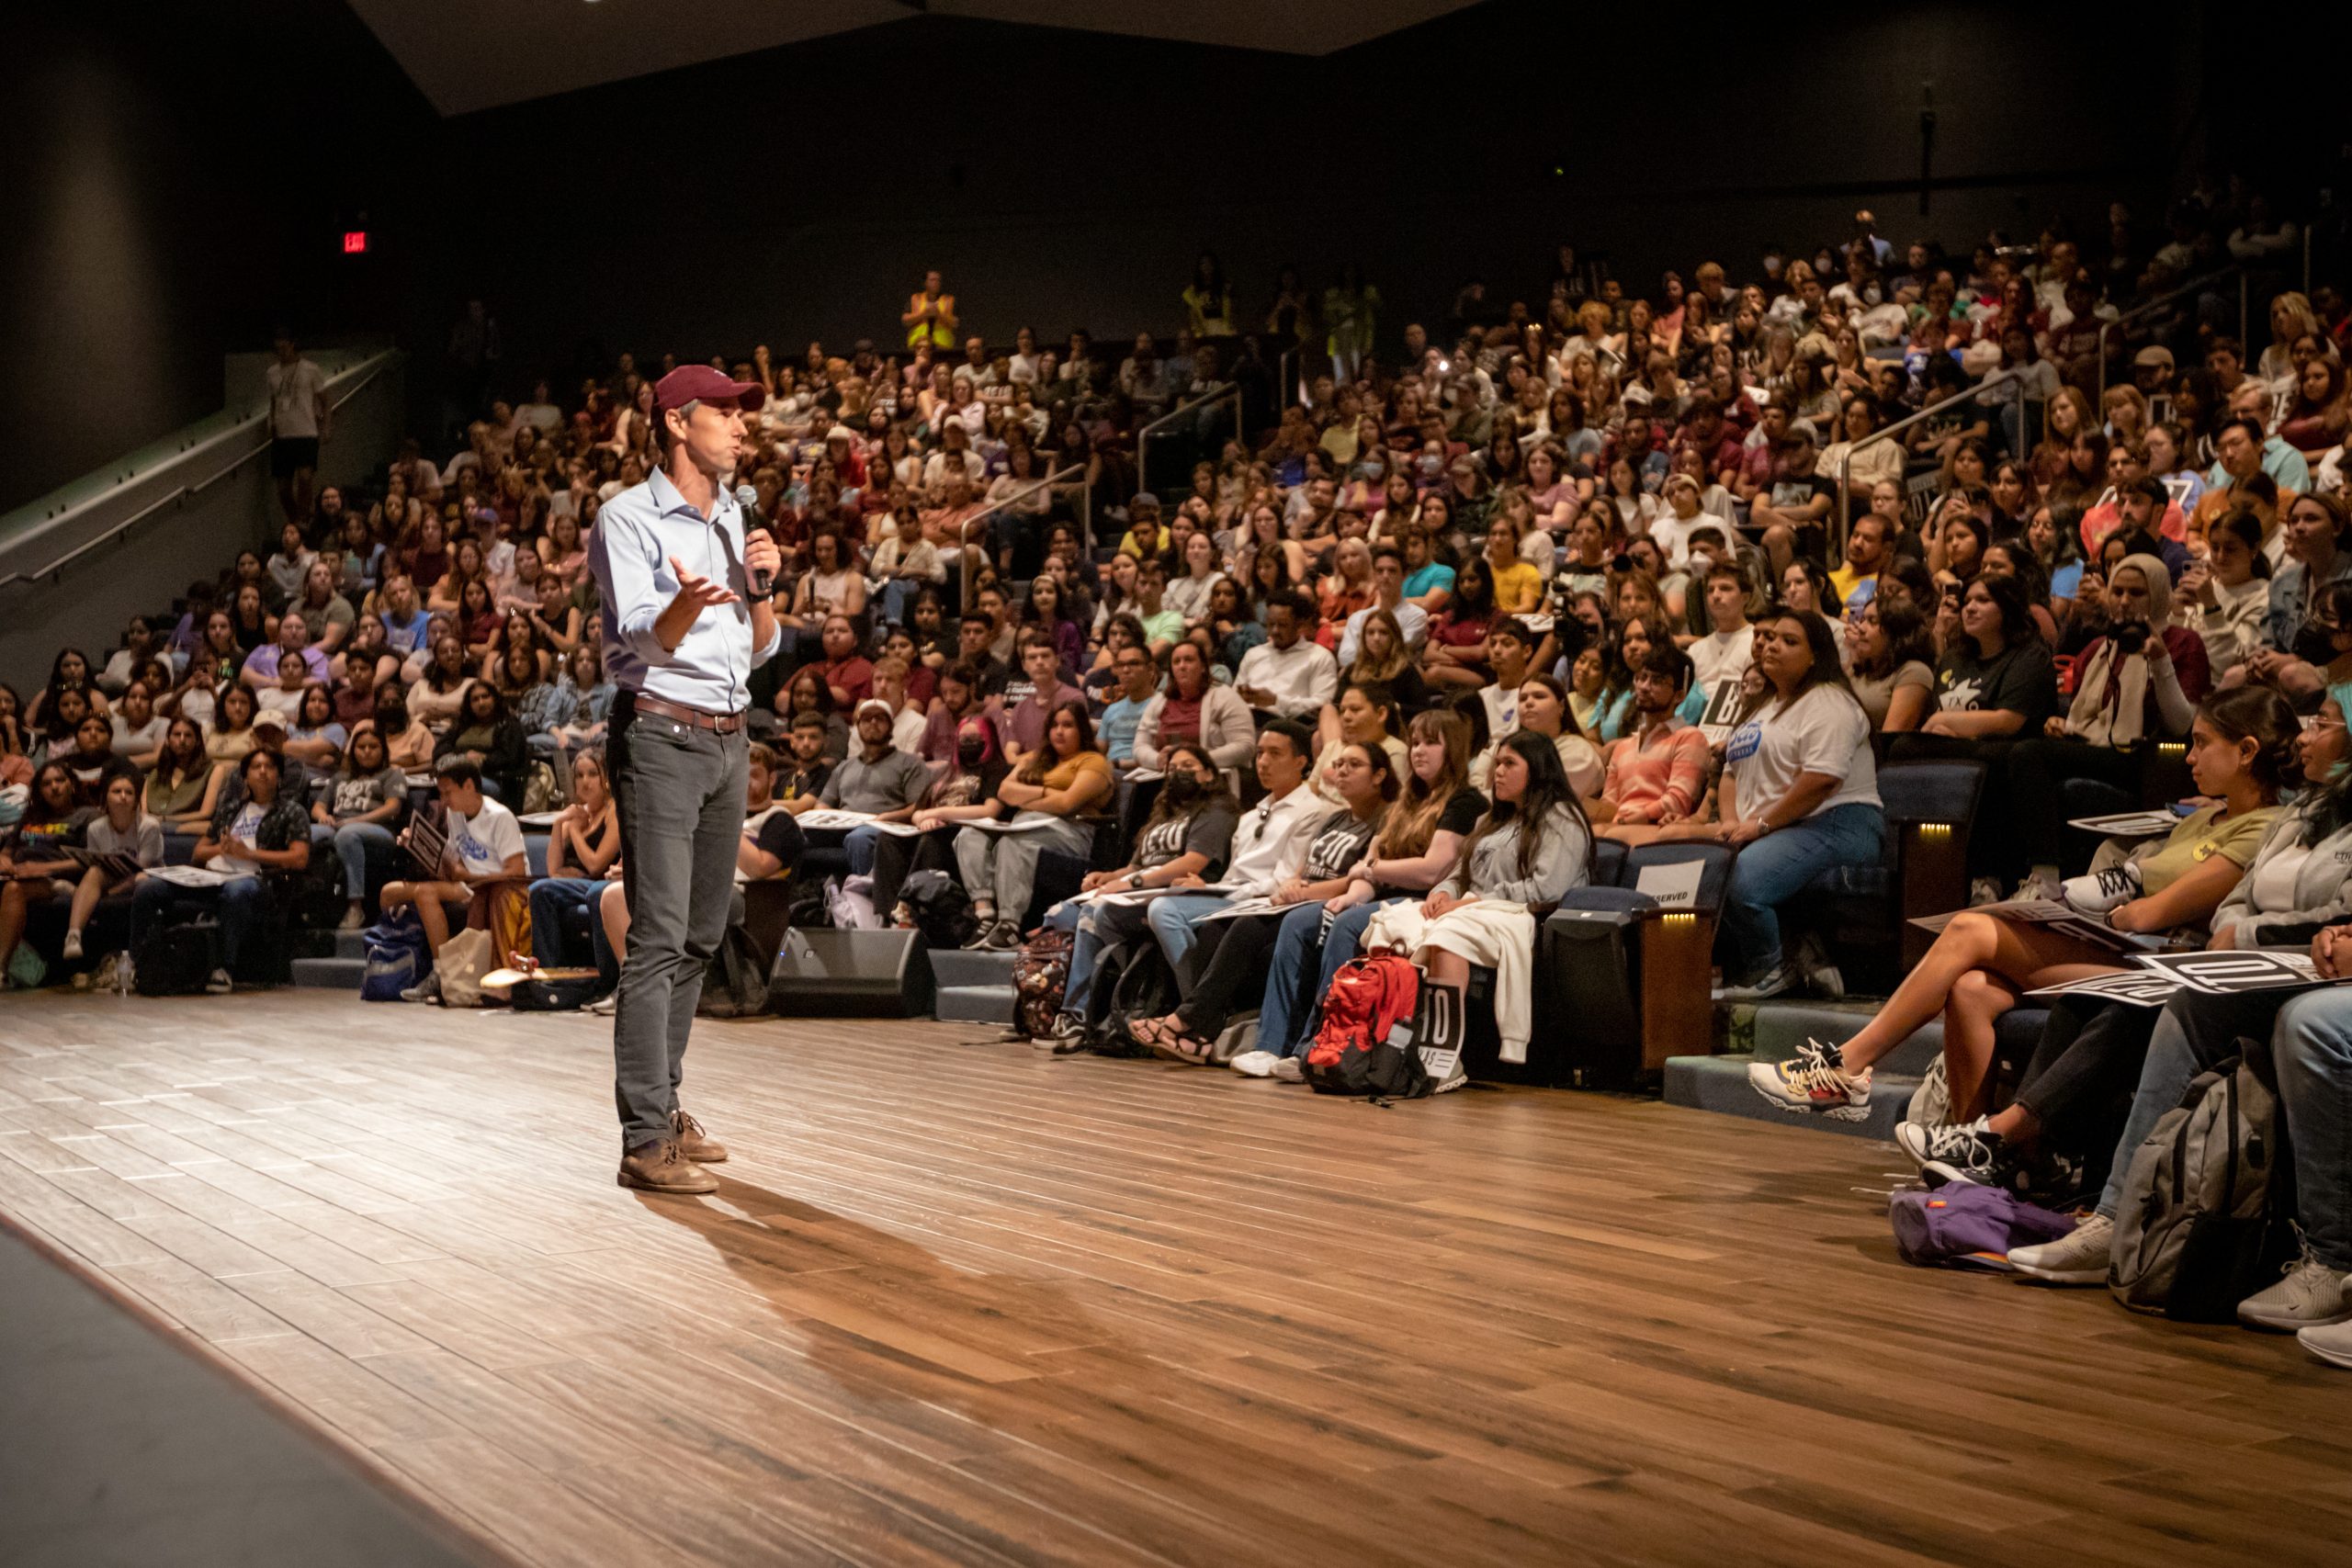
[629, 552]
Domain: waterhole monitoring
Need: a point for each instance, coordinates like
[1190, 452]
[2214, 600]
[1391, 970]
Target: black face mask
[971, 752]
[1182, 788]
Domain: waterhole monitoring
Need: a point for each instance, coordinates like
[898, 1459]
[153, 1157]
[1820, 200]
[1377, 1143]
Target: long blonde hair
[1412, 821]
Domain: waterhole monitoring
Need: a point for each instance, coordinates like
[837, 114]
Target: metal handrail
[2148, 306]
[1143, 437]
[964, 529]
[180, 494]
[1846, 464]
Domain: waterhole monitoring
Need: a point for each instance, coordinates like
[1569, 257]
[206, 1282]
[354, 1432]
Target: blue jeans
[1288, 1032]
[1097, 926]
[351, 842]
[1172, 921]
[2312, 1048]
[238, 902]
[552, 898]
[1775, 869]
[2311, 1038]
[859, 847]
[1298, 945]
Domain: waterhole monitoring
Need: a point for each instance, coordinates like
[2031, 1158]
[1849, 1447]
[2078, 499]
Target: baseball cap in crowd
[875, 704]
[699, 383]
[1803, 430]
[269, 718]
[1144, 498]
[2154, 354]
[841, 432]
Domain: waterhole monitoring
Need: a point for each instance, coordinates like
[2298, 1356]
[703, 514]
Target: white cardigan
[1227, 730]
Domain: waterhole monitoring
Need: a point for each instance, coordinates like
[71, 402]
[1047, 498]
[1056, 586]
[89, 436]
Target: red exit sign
[355, 241]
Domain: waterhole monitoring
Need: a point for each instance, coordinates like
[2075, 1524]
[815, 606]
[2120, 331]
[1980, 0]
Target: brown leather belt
[717, 723]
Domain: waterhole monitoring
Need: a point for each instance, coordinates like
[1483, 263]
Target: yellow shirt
[1518, 589]
[1069, 770]
[939, 332]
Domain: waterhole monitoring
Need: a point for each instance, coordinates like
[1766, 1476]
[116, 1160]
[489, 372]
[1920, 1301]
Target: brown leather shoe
[693, 1142]
[659, 1167]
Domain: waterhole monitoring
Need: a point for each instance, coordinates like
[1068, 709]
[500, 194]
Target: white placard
[1674, 884]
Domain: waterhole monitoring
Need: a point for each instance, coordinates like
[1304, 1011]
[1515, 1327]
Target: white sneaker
[1781, 978]
[2102, 890]
[2331, 1343]
[1821, 977]
[220, 985]
[1813, 1080]
[2042, 883]
[1256, 1064]
[2312, 1295]
[1984, 890]
[354, 918]
[73, 946]
[1290, 1069]
[1456, 1075]
[2078, 1257]
[606, 1005]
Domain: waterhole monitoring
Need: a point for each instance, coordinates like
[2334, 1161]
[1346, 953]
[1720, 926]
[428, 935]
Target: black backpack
[175, 959]
[935, 904]
[1132, 981]
[736, 984]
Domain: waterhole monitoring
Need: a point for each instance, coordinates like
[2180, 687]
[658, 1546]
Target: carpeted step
[329, 974]
[1781, 1028]
[972, 988]
[1719, 1084]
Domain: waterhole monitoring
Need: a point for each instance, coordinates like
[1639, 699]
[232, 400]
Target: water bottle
[122, 973]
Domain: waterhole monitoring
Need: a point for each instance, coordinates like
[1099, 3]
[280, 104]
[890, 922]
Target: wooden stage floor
[960, 1303]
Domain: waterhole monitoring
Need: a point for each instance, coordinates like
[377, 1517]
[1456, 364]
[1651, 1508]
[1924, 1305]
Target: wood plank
[957, 1303]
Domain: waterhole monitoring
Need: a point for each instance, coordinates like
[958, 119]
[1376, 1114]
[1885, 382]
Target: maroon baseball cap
[701, 384]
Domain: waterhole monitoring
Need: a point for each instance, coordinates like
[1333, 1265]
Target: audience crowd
[1622, 563]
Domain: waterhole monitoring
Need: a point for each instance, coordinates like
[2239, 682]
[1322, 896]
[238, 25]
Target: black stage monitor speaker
[836, 974]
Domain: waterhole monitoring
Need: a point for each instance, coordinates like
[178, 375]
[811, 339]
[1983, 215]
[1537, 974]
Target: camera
[2130, 636]
[1621, 561]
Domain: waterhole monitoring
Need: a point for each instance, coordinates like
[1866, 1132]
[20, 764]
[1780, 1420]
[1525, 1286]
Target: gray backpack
[2194, 1235]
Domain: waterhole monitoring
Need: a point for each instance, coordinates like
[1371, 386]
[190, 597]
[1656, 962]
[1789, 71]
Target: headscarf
[2110, 706]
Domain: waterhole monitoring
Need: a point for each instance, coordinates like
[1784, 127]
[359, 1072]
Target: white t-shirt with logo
[247, 824]
[1824, 731]
[483, 842]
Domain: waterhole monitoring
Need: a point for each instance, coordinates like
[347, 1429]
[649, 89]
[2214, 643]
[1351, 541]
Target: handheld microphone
[763, 581]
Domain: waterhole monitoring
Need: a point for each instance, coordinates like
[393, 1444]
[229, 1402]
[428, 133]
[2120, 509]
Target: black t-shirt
[1207, 833]
[1463, 809]
[1459, 815]
[774, 832]
[1791, 491]
[1339, 841]
[793, 781]
[2020, 678]
[994, 673]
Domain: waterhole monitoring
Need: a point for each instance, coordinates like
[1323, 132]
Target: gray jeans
[680, 791]
[1002, 867]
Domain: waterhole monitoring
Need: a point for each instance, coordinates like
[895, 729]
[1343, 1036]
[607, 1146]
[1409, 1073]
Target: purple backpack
[1965, 1226]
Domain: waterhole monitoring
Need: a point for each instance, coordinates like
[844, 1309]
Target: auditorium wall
[188, 167]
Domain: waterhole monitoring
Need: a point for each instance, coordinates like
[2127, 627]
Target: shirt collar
[667, 497]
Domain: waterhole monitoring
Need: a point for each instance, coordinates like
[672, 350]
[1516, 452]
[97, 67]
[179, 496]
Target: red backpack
[1352, 1054]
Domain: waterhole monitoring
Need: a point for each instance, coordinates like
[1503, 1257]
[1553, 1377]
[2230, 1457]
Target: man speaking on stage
[687, 618]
